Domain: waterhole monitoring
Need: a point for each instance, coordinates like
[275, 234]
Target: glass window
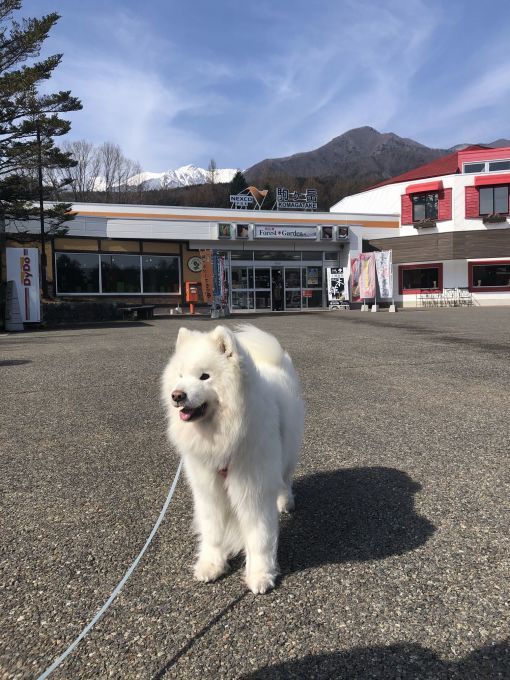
[424, 206]
[263, 299]
[420, 278]
[499, 165]
[160, 274]
[474, 167]
[313, 255]
[494, 200]
[242, 277]
[293, 299]
[77, 273]
[491, 275]
[331, 257]
[262, 278]
[313, 277]
[293, 278]
[120, 273]
[278, 255]
[242, 299]
[241, 254]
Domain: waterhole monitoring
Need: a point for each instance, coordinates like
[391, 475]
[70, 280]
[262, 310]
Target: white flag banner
[383, 266]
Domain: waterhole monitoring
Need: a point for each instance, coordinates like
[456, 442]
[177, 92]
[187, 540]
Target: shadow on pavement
[354, 514]
[398, 662]
[14, 362]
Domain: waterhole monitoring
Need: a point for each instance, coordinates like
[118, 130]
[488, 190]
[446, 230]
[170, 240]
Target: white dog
[236, 416]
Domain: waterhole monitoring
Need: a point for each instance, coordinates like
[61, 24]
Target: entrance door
[292, 287]
[277, 289]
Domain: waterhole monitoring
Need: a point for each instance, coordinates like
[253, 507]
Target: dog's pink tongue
[185, 415]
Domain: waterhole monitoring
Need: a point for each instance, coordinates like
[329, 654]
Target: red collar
[223, 472]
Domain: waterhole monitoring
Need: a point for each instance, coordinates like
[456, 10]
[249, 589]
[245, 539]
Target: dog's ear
[182, 336]
[225, 340]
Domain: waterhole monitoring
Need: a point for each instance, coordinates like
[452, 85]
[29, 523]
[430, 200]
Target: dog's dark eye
[205, 376]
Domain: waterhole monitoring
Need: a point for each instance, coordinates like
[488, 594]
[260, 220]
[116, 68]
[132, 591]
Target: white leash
[119, 586]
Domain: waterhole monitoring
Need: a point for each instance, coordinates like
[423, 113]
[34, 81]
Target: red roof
[446, 165]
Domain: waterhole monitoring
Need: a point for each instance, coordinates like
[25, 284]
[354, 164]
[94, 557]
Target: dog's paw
[260, 582]
[285, 503]
[207, 571]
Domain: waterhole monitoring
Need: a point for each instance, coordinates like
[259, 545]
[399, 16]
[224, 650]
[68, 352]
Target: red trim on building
[406, 209]
[472, 202]
[444, 205]
[421, 188]
[485, 289]
[490, 180]
[425, 265]
[480, 153]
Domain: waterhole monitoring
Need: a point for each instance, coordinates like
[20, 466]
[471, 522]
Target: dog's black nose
[178, 396]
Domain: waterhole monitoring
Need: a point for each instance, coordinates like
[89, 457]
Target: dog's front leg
[211, 515]
[258, 520]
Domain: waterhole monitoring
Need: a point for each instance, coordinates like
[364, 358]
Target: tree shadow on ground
[354, 514]
[397, 662]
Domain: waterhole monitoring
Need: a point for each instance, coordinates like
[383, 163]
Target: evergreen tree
[29, 121]
[238, 183]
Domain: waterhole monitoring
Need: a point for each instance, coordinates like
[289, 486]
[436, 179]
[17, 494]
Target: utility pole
[44, 282]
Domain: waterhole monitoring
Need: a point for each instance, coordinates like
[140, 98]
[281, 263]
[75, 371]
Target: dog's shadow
[354, 514]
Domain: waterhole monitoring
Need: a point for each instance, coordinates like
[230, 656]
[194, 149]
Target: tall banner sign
[335, 277]
[207, 277]
[23, 269]
[355, 270]
[367, 288]
[383, 266]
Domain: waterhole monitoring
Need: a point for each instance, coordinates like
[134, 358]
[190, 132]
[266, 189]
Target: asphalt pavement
[395, 565]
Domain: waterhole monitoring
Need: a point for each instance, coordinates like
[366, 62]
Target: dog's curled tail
[262, 346]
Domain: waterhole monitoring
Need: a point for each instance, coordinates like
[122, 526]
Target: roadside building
[274, 260]
[454, 227]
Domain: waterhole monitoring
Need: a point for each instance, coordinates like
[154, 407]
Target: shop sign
[295, 200]
[23, 269]
[307, 293]
[241, 200]
[275, 231]
[336, 286]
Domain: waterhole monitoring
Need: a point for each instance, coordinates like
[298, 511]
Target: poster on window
[335, 278]
[367, 276]
[355, 268]
[312, 276]
[383, 266]
[23, 269]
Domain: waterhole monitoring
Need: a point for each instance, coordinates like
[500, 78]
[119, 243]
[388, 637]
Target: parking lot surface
[396, 563]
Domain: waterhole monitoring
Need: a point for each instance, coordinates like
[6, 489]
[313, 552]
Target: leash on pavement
[120, 584]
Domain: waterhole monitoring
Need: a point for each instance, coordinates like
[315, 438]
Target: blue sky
[183, 82]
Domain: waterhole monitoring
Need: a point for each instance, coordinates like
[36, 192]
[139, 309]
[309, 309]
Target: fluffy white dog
[236, 417]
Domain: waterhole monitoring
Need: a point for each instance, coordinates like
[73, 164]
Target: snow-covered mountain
[181, 177]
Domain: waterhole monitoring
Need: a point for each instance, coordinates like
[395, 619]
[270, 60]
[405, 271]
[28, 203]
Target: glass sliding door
[312, 287]
[242, 287]
[262, 288]
[292, 287]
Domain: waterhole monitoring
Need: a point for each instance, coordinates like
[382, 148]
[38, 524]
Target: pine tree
[29, 121]
[238, 183]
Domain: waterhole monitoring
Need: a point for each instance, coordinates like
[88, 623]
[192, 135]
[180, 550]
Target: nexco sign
[23, 269]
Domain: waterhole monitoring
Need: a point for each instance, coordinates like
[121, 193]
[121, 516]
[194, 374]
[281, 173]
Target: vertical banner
[335, 278]
[367, 276]
[207, 277]
[355, 271]
[384, 270]
[23, 269]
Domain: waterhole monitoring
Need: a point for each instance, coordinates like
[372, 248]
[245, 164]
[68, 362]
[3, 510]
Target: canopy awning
[427, 186]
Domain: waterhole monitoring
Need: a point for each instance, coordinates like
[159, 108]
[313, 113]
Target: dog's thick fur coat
[236, 417]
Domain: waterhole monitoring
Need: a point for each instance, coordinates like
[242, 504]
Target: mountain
[184, 176]
[361, 154]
